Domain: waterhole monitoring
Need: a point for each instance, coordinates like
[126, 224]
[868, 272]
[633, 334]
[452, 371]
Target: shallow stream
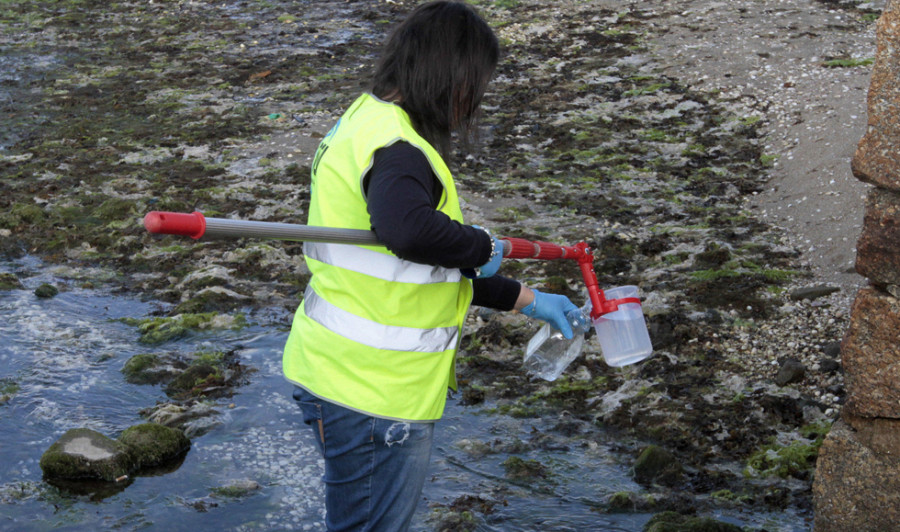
[61, 359]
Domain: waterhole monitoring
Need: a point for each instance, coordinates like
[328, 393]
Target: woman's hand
[551, 308]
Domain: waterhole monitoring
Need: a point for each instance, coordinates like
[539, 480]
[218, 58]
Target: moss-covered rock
[520, 469]
[86, 454]
[46, 291]
[115, 209]
[236, 489]
[9, 281]
[212, 299]
[197, 380]
[21, 213]
[657, 465]
[8, 388]
[138, 369]
[676, 522]
[151, 368]
[153, 445]
[159, 330]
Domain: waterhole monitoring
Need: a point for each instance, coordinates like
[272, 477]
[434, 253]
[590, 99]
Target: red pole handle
[176, 223]
[519, 248]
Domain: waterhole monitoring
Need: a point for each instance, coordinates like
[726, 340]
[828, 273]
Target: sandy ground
[766, 57]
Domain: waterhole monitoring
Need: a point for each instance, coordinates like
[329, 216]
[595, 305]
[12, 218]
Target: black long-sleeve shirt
[402, 195]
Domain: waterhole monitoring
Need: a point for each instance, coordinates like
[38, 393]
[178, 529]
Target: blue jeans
[374, 468]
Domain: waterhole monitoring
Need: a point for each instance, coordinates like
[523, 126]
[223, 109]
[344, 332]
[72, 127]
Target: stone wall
[857, 484]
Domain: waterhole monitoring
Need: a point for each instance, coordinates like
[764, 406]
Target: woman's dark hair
[438, 63]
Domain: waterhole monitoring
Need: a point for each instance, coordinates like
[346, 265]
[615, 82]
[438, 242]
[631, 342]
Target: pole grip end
[175, 223]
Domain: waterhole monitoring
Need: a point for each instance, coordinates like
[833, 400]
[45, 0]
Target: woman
[372, 346]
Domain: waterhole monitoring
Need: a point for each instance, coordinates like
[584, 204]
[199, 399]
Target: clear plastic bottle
[549, 353]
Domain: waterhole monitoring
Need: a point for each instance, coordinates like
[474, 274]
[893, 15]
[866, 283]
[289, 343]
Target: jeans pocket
[312, 412]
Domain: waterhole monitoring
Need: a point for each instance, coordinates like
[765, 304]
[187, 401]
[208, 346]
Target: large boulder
[877, 159]
[878, 248]
[86, 454]
[871, 355]
[857, 484]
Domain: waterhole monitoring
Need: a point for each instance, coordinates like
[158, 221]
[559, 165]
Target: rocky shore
[602, 125]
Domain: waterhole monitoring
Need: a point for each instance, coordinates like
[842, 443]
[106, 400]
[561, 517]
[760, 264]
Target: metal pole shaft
[222, 227]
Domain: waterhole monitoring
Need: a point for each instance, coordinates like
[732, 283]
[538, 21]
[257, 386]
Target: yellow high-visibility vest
[374, 333]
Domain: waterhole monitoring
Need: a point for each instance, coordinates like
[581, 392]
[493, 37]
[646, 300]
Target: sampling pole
[196, 226]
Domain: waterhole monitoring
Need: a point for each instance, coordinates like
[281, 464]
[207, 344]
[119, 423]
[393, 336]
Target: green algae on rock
[521, 469]
[8, 389]
[46, 291]
[153, 445]
[657, 465]
[159, 330]
[197, 375]
[676, 522]
[145, 369]
[86, 454]
[237, 489]
[9, 281]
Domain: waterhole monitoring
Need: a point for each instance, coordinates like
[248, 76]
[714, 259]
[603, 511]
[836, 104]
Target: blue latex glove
[551, 308]
[492, 265]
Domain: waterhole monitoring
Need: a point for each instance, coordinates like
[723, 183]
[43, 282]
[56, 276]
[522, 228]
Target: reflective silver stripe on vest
[379, 265]
[377, 335]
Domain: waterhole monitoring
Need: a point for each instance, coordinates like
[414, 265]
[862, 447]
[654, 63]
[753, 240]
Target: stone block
[877, 159]
[880, 435]
[856, 488]
[878, 248]
[870, 355]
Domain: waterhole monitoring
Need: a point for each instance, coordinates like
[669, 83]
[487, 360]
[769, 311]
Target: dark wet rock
[790, 371]
[662, 331]
[676, 522]
[87, 454]
[783, 409]
[626, 501]
[154, 445]
[212, 299]
[829, 365]
[495, 334]
[196, 380]
[714, 255]
[201, 374]
[813, 292]
[836, 389]
[194, 418]
[46, 291]
[792, 411]
[9, 281]
[472, 395]
[657, 465]
[833, 349]
[521, 469]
